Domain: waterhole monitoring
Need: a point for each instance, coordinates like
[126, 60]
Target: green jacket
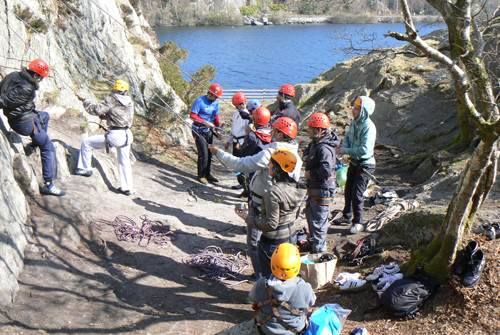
[359, 140]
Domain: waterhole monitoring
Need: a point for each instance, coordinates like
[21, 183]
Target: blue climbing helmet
[253, 104]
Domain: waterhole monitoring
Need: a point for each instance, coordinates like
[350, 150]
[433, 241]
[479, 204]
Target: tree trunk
[477, 179]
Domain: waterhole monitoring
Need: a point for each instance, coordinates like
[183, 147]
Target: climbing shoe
[52, 189]
[474, 269]
[356, 228]
[212, 179]
[83, 172]
[203, 180]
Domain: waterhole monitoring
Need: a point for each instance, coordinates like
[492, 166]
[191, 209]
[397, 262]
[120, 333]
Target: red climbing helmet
[319, 120]
[238, 99]
[286, 125]
[287, 89]
[261, 116]
[215, 89]
[40, 67]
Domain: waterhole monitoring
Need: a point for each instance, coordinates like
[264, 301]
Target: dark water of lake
[268, 56]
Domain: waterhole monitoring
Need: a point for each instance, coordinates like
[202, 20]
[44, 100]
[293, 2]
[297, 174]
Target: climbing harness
[216, 265]
[128, 230]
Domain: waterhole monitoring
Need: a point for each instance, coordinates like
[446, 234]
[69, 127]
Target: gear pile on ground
[216, 265]
[128, 230]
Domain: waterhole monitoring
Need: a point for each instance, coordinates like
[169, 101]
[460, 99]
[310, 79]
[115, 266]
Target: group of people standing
[266, 152]
[17, 95]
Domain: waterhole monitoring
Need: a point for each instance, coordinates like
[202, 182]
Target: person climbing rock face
[205, 116]
[319, 162]
[118, 111]
[286, 106]
[359, 144]
[283, 301]
[17, 95]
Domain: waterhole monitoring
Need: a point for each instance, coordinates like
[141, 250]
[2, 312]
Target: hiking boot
[356, 228]
[29, 149]
[52, 189]
[203, 180]
[492, 231]
[83, 172]
[465, 256]
[474, 269]
[212, 179]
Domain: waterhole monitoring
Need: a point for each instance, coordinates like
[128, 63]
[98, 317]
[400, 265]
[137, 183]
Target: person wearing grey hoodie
[359, 144]
[284, 132]
[283, 301]
[118, 111]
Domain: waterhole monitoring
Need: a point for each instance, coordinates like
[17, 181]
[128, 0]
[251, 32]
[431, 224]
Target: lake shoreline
[320, 19]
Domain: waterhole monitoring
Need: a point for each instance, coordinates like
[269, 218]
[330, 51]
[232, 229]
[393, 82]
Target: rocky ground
[79, 279]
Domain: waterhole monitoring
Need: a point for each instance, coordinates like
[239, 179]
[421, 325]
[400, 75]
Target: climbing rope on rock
[217, 265]
[128, 230]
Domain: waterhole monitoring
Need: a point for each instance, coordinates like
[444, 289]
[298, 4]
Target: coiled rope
[216, 265]
[128, 230]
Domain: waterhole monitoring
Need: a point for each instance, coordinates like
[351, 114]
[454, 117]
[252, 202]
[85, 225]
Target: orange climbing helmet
[286, 125]
[286, 159]
[319, 120]
[285, 261]
[40, 67]
[287, 89]
[215, 89]
[261, 116]
[238, 99]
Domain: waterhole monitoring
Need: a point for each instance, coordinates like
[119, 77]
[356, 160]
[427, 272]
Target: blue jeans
[317, 220]
[37, 130]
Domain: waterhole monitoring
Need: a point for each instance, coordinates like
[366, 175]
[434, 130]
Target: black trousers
[202, 140]
[357, 181]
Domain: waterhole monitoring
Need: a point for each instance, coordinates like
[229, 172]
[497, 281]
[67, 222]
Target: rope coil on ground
[216, 265]
[128, 230]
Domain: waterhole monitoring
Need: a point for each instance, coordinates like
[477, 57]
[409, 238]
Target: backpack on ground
[405, 296]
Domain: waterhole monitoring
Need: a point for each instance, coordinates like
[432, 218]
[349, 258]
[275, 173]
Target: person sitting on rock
[17, 95]
[239, 125]
[319, 161]
[286, 106]
[283, 301]
[205, 116]
[284, 132]
[359, 144]
[118, 111]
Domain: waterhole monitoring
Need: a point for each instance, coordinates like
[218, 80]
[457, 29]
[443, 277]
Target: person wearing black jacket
[286, 106]
[17, 95]
[319, 161]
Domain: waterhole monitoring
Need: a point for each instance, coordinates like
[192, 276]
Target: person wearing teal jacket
[359, 144]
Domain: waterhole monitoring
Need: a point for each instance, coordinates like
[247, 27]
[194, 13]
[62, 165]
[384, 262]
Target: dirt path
[74, 283]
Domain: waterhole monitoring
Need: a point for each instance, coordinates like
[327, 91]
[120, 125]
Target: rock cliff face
[87, 44]
[199, 12]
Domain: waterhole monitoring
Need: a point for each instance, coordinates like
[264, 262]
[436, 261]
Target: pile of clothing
[381, 278]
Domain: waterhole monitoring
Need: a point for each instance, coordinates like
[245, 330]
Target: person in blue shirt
[205, 116]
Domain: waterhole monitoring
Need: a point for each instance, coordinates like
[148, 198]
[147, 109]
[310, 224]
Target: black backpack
[405, 296]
